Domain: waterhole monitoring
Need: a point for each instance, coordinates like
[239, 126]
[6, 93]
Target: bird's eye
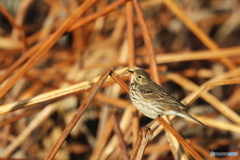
[139, 76]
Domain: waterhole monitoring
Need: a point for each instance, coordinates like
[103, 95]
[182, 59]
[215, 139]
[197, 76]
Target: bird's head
[140, 76]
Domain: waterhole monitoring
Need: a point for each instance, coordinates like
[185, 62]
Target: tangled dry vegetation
[52, 54]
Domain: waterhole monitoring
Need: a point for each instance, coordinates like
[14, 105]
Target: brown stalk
[132, 61]
[179, 138]
[157, 148]
[207, 96]
[106, 10]
[208, 86]
[15, 25]
[14, 118]
[78, 41]
[120, 138]
[125, 128]
[19, 18]
[130, 33]
[197, 31]
[222, 82]
[20, 61]
[148, 41]
[83, 86]
[215, 81]
[72, 27]
[118, 80]
[203, 151]
[36, 122]
[21, 138]
[218, 124]
[197, 55]
[87, 101]
[48, 23]
[112, 101]
[144, 136]
[135, 124]
[103, 140]
[45, 47]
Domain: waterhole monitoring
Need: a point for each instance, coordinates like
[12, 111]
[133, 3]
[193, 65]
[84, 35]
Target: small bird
[152, 101]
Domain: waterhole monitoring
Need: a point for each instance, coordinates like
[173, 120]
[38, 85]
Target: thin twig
[103, 140]
[130, 33]
[179, 138]
[77, 115]
[132, 61]
[45, 47]
[15, 25]
[197, 31]
[76, 25]
[83, 86]
[148, 41]
[120, 138]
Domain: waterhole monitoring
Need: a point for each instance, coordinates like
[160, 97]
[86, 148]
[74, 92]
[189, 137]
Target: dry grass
[55, 55]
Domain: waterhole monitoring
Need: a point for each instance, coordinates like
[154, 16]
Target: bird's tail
[191, 117]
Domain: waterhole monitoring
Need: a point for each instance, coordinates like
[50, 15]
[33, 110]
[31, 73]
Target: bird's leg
[150, 124]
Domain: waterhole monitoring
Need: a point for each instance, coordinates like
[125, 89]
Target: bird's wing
[153, 92]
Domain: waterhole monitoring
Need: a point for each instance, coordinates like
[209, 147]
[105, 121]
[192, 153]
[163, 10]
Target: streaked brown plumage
[151, 100]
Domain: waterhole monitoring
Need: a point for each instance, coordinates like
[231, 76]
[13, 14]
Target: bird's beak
[131, 72]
